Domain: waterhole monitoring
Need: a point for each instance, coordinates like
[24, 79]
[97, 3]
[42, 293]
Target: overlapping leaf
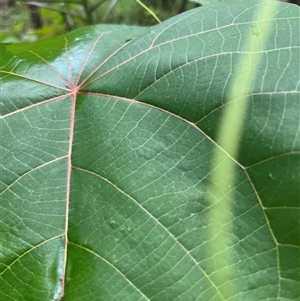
[108, 135]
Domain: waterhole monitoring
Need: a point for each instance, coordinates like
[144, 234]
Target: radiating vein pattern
[135, 172]
[166, 212]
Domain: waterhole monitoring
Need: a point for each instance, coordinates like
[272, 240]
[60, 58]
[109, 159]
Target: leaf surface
[108, 136]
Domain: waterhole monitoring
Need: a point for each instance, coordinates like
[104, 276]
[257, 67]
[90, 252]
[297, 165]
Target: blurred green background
[29, 21]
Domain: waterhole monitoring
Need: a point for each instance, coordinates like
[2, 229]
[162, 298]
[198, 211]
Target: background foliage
[33, 20]
[29, 21]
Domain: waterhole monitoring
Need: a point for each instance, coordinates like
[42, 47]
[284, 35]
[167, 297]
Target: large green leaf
[108, 136]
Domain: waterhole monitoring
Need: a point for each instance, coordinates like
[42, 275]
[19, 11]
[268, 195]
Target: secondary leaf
[108, 135]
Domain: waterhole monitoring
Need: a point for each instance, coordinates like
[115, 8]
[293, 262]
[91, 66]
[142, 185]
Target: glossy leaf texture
[107, 142]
